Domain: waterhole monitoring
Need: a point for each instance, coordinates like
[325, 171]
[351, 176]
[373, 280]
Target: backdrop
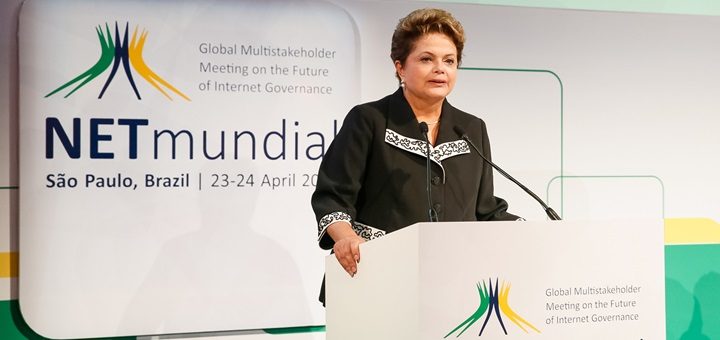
[168, 149]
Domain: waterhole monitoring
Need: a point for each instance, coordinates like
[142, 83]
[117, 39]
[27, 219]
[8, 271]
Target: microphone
[549, 211]
[432, 214]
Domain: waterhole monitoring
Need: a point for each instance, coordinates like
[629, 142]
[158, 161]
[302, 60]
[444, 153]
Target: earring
[402, 83]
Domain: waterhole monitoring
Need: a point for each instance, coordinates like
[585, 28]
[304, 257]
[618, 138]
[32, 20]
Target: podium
[510, 280]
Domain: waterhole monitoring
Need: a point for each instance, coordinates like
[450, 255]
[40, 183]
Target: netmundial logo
[493, 300]
[116, 51]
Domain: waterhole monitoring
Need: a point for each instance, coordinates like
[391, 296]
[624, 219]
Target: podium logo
[116, 52]
[493, 301]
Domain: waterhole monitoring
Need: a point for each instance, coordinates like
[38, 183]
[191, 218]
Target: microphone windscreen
[460, 131]
[423, 127]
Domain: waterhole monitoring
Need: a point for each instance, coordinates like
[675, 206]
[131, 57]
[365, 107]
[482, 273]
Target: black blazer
[374, 172]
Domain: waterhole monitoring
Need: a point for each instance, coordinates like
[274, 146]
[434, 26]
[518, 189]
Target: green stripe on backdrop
[291, 330]
[14, 327]
[692, 292]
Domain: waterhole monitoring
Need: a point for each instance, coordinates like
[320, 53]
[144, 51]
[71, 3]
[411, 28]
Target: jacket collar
[403, 132]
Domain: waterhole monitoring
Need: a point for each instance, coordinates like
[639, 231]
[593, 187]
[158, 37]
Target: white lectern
[519, 280]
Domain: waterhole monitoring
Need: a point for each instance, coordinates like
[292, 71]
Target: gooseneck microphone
[549, 211]
[432, 214]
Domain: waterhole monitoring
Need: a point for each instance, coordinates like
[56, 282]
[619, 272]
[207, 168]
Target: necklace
[432, 123]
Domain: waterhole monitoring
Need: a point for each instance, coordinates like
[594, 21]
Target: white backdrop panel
[232, 246]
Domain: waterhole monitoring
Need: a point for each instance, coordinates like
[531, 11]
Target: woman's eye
[425, 59]
[450, 61]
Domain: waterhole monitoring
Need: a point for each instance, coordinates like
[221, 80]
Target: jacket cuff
[367, 232]
[323, 238]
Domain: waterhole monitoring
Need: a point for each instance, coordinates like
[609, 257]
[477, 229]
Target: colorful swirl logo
[493, 301]
[116, 51]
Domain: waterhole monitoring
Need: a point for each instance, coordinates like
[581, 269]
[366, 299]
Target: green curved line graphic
[562, 181]
[562, 114]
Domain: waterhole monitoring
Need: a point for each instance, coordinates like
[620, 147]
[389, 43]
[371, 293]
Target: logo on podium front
[493, 300]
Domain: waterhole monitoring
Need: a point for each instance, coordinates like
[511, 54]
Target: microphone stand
[432, 214]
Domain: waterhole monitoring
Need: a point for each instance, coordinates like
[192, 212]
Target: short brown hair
[421, 22]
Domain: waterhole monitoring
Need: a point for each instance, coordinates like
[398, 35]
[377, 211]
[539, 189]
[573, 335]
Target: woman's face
[430, 69]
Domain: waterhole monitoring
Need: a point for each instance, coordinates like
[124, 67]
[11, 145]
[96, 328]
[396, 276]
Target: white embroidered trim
[331, 218]
[438, 153]
[367, 232]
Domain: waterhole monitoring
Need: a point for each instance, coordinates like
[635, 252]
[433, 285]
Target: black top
[374, 172]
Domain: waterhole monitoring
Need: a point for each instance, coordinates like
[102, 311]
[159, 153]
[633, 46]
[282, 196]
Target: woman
[372, 179]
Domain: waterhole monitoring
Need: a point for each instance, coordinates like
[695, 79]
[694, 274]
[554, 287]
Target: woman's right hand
[347, 246]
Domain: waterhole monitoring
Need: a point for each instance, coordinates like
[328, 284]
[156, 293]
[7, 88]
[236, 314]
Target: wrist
[340, 230]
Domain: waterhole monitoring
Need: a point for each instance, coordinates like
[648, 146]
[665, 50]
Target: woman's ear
[399, 69]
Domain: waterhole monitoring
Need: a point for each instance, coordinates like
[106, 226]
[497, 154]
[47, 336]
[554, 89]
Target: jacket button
[436, 180]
